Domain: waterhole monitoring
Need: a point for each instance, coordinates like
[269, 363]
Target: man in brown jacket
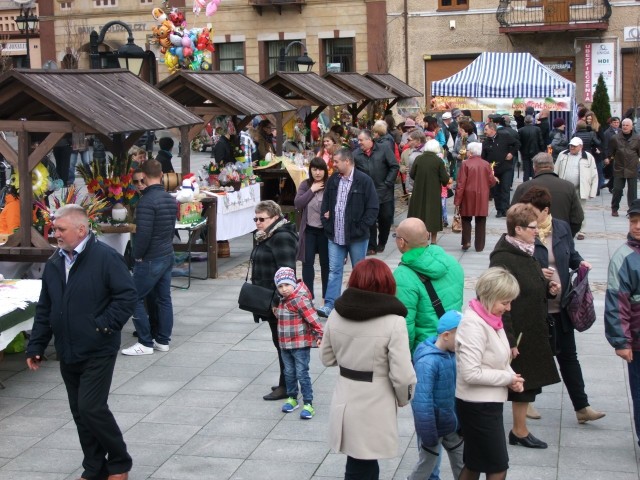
[624, 150]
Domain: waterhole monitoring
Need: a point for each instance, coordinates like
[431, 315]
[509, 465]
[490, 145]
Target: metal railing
[267, 3]
[522, 13]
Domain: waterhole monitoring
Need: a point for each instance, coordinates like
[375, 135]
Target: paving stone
[150, 454]
[119, 402]
[174, 359]
[64, 439]
[205, 468]
[45, 460]
[239, 427]
[30, 426]
[201, 398]
[179, 415]
[9, 405]
[220, 446]
[13, 445]
[599, 458]
[273, 470]
[233, 370]
[47, 408]
[229, 338]
[143, 386]
[22, 389]
[164, 433]
[232, 384]
[291, 452]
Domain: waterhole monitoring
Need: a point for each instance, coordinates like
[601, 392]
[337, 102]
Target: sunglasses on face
[261, 219]
[138, 181]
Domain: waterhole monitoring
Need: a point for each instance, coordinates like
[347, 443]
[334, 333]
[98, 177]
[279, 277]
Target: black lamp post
[27, 23]
[130, 56]
[305, 62]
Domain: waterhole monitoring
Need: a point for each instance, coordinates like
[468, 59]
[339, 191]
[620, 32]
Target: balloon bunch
[210, 6]
[182, 47]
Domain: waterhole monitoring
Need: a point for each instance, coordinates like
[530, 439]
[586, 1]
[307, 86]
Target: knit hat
[558, 122]
[449, 321]
[285, 276]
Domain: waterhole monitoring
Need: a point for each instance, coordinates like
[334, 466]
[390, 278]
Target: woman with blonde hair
[484, 375]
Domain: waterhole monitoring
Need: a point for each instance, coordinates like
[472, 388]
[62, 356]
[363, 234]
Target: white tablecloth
[232, 224]
[117, 241]
[7, 336]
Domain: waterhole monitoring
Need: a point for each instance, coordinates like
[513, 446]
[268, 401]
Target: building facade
[14, 43]
[433, 39]
[339, 35]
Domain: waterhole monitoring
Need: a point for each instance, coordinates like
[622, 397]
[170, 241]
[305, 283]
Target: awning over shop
[517, 76]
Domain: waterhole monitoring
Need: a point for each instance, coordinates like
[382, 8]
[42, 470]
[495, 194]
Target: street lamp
[130, 56]
[27, 23]
[305, 62]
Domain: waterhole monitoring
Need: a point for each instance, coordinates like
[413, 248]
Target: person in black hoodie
[164, 156]
[87, 297]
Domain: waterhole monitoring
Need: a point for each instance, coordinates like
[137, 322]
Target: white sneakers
[138, 349]
[161, 347]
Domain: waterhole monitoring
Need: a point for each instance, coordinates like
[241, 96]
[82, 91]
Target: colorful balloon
[211, 9]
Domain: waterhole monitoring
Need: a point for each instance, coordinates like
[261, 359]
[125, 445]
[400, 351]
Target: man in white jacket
[578, 167]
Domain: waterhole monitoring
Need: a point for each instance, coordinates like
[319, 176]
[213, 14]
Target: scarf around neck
[544, 228]
[492, 320]
[520, 245]
[261, 236]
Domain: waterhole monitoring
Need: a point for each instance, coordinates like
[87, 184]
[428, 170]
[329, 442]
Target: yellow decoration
[39, 180]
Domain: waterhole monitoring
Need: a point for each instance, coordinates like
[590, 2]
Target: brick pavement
[197, 412]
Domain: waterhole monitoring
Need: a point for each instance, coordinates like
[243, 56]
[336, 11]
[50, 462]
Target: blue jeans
[84, 157]
[296, 369]
[337, 253]
[634, 386]
[154, 276]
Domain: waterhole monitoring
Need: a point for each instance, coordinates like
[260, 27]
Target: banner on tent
[558, 104]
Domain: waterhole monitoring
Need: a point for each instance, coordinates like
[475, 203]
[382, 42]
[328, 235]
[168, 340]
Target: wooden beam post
[186, 150]
[26, 191]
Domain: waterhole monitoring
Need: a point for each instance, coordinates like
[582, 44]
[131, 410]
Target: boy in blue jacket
[434, 401]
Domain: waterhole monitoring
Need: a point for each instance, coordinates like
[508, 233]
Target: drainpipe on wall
[405, 13]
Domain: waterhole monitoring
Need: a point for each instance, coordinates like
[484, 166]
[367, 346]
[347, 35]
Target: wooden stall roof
[359, 86]
[232, 93]
[394, 84]
[308, 88]
[94, 101]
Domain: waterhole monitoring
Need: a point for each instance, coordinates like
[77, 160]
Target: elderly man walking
[624, 150]
[565, 203]
[349, 209]
[579, 168]
[429, 281]
[87, 296]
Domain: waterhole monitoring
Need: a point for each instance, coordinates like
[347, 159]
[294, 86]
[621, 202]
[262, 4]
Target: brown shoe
[588, 414]
[466, 246]
[119, 476]
[614, 213]
[371, 252]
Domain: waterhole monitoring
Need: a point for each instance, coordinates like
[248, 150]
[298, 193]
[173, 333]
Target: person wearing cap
[531, 144]
[622, 309]
[434, 402]
[450, 128]
[407, 128]
[298, 331]
[484, 375]
[558, 138]
[624, 150]
[578, 167]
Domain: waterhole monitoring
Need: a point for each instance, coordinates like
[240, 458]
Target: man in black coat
[349, 209]
[379, 163]
[531, 144]
[153, 254]
[565, 203]
[87, 296]
[500, 148]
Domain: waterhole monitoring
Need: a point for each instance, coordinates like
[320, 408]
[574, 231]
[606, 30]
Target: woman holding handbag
[475, 180]
[556, 254]
[275, 246]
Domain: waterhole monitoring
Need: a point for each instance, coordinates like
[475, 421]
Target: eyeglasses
[138, 181]
[397, 237]
[532, 227]
[261, 219]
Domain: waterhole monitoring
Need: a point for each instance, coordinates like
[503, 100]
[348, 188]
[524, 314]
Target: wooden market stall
[210, 94]
[114, 105]
[360, 87]
[394, 85]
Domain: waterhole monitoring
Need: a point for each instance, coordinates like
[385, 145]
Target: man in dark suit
[500, 148]
[531, 144]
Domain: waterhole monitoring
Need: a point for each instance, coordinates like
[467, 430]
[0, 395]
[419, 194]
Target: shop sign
[557, 104]
[562, 66]
[631, 34]
[599, 59]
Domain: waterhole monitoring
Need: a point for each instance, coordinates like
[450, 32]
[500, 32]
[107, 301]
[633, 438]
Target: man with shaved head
[421, 262]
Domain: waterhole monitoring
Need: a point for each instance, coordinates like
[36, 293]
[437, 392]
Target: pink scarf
[494, 321]
[520, 245]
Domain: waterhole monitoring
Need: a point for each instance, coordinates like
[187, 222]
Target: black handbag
[254, 298]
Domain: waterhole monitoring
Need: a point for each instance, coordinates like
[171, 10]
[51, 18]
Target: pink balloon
[186, 41]
[187, 51]
[211, 9]
[217, 2]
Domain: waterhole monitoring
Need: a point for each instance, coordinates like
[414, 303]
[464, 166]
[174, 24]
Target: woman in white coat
[366, 337]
